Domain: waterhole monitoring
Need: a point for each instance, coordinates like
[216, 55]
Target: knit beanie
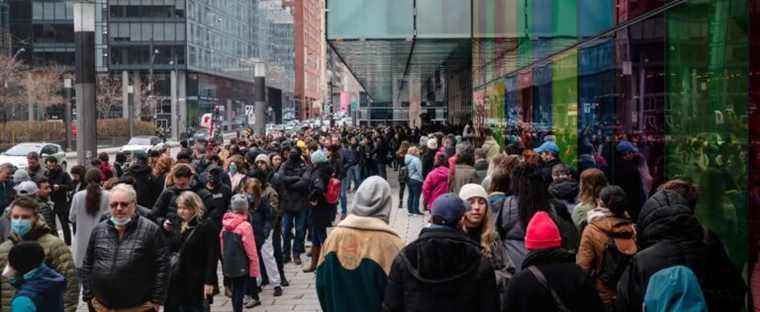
[472, 190]
[432, 143]
[542, 233]
[447, 210]
[21, 175]
[26, 256]
[239, 203]
[263, 157]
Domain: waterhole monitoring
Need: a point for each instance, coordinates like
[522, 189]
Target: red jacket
[436, 184]
[238, 224]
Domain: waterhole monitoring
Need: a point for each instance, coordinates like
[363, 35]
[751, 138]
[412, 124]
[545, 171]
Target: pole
[67, 85]
[260, 96]
[84, 35]
[174, 110]
[29, 98]
[131, 110]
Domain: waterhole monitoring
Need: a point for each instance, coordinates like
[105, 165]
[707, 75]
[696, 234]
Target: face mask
[21, 226]
[120, 222]
[233, 168]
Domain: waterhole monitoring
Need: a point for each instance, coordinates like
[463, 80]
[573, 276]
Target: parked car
[143, 143]
[16, 155]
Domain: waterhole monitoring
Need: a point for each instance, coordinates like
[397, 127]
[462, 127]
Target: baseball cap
[26, 188]
[548, 146]
[626, 147]
[447, 210]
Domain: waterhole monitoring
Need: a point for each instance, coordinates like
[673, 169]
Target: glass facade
[678, 82]
[44, 29]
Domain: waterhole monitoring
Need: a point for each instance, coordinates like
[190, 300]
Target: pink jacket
[238, 224]
[436, 184]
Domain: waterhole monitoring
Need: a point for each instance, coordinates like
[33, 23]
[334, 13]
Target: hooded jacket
[492, 147]
[565, 191]
[146, 186]
[42, 288]
[669, 234]
[443, 270]
[572, 285]
[238, 224]
[674, 289]
[428, 161]
[436, 184]
[294, 186]
[57, 256]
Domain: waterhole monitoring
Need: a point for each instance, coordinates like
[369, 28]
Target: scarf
[597, 213]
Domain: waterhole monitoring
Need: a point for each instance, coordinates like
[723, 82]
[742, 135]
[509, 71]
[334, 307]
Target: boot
[297, 259]
[314, 259]
[400, 204]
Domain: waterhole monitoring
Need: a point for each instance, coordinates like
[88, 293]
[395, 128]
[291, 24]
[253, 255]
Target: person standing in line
[196, 246]
[87, 209]
[322, 212]
[38, 287]
[293, 202]
[592, 182]
[115, 276]
[33, 166]
[436, 182]
[428, 158]
[60, 183]
[240, 262]
[414, 180]
[261, 219]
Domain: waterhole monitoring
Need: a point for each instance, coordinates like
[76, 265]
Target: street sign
[249, 110]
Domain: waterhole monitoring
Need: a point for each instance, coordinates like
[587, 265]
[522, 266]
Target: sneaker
[297, 260]
[284, 283]
[252, 303]
[278, 291]
[227, 292]
[247, 300]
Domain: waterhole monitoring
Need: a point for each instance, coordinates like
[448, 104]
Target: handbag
[174, 259]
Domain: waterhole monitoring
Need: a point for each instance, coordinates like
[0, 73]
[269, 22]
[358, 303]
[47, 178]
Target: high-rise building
[310, 48]
[43, 29]
[5, 35]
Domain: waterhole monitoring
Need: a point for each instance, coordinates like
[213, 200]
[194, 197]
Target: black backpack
[614, 261]
[234, 259]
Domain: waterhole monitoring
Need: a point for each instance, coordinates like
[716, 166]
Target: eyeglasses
[115, 205]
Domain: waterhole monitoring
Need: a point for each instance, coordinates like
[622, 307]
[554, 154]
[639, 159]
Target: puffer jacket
[129, 271]
[436, 184]
[57, 257]
[669, 234]
[238, 224]
[166, 206]
[146, 186]
[294, 186]
[443, 264]
[594, 243]
[566, 192]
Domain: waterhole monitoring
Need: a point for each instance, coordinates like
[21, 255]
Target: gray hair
[126, 189]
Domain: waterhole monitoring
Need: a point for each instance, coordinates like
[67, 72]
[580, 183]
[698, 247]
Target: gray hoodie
[373, 199]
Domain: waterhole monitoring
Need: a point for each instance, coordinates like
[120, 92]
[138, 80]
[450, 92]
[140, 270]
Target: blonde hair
[413, 150]
[191, 200]
[163, 165]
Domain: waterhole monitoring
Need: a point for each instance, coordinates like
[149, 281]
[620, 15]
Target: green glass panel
[444, 19]
[524, 22]
[370, 19]
[706, 67]
[565, 105]
[565, 18]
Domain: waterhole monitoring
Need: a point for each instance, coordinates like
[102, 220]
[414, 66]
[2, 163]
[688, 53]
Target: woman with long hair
[195, 242]
[403, 171]
[592, 182]
[87, 208]
[437, 181]
[161, 168]
[261, 220]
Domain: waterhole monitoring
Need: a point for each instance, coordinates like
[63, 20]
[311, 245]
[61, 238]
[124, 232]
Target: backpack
[332, 195]
[234, 259]
[674, 289]
[614, 261]
[403, 175]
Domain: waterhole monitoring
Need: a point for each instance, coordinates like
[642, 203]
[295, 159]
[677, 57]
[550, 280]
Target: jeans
[238, 292]
[381, 170]
[345, 184]
[413, 201]
[401, 188]
[63, 216]
[297, 219]
[355, 172]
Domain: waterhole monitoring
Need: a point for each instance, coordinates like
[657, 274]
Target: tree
[10, 90]
[108, 95]
[42, 87]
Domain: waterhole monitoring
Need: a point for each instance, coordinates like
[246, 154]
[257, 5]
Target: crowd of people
[508, 228]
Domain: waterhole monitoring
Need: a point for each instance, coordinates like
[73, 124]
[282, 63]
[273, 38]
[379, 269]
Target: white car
[16, 155]
[143, 143]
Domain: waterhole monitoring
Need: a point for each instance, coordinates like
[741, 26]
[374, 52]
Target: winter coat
[492, 147]
[294, 187]
[571, 284]
[481, 168]
[565, 191]
[166, 206]
[322, 214]
[238, 224]
[428, 161]
[37, 175]
[413, 167]
[594, 243]
[444, 264]
[63, 180]
[145, 185]
[41, 290]
[436, 184]
[106, 171]
[85, 223]
[465, 174]
[57, 257]
[261, 220]
[129, 271]
[6, 193]
[47, 212]
[627, 176]
[217, 202]
[354, 264]
[669, 234]
[197, 262]
[546, 170]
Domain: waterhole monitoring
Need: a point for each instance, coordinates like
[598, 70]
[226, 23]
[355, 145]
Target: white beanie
[262, 157]
[472, 190]
[432, 143]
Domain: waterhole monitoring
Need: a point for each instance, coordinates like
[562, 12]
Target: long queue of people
[508, 229]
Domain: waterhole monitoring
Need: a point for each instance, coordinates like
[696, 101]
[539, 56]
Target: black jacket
[129, 271]
[63, 180]
[669, 234]
[261, 220]
[166, 206]
[197, 265]
[322, 214]
[145, 184]
[442, 270]
[217, 202]
[571, 284]
[428, 160]
[293, 186]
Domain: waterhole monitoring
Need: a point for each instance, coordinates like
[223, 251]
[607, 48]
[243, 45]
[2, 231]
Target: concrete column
[260, 97]
[228, 110]
[182, 93]
[139, 100]
[415, 102]
[124, 94]
[174, 109]
[84, 38]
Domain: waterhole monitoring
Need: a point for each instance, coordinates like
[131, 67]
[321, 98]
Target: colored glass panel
[595, 16]
[542, 97]
[706, 79]
[565, 105]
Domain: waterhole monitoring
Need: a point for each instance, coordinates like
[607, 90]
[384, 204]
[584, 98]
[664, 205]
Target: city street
[301, 294]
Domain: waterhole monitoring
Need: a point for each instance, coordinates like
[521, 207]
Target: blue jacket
[41, 290]
[674, 289]
[414, 167]
[348, 157]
